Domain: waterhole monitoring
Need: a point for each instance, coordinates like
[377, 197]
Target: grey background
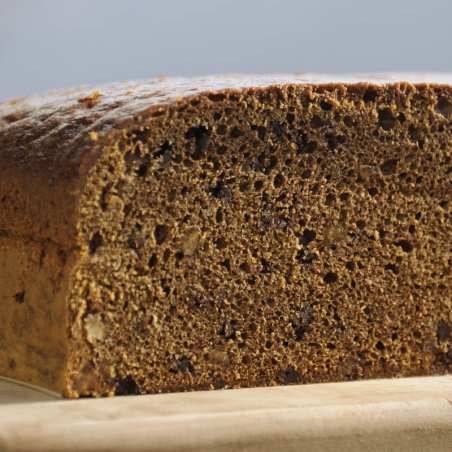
[47, 44]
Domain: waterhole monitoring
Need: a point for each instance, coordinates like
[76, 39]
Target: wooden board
[401, 414]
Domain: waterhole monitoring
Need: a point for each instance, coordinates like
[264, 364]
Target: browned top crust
[61, 116]
[47, 139]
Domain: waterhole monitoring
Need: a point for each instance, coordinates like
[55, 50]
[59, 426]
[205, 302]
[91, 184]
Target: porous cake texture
[224, 232]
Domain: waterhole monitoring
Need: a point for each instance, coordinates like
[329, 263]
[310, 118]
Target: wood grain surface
[402, 414]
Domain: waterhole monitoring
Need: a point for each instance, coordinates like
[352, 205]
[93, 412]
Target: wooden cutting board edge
[399, 414]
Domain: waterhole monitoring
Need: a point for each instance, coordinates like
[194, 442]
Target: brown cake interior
[269, 236]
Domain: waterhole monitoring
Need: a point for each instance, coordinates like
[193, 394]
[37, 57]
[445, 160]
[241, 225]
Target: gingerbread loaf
[224, 232]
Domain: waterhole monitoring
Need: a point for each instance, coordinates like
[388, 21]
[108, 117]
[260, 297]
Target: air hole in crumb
[161, 233]
[393, 268]
[330, 198]
[219, 216]
[324, 105]
[291, 376]
[444, 107]
[278, 180]
[394, 336]
[344, 196]
[305, 257]
[317, 122]
[220, 243]
[350, 265]
[334, 140]
[142, 135]
[245, 267]
[221, 150]
[412, 229]
[406, 246]
[306, 174]
[95, 242]
[370, 95]
[388, 167]
[308, 236]
[226, 264]
[217, 190]
[236, 132]
[413, 133]
[222, 129]
[152, 262]
[261, 133]
[265, 266]
[217, 97]
[386, 119]
[164, 149]
[201, 136]
[443, 331]
[304, 145]
[197, 155]
[142, 170]
[166, 255]
[361, 224]
[273, 161]
[290, 118]
[330, 278]
[246, 359]
[379, 345]
[373, 191]
[244, 187]
[258, 185]
[127, 386]
[348, 121]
